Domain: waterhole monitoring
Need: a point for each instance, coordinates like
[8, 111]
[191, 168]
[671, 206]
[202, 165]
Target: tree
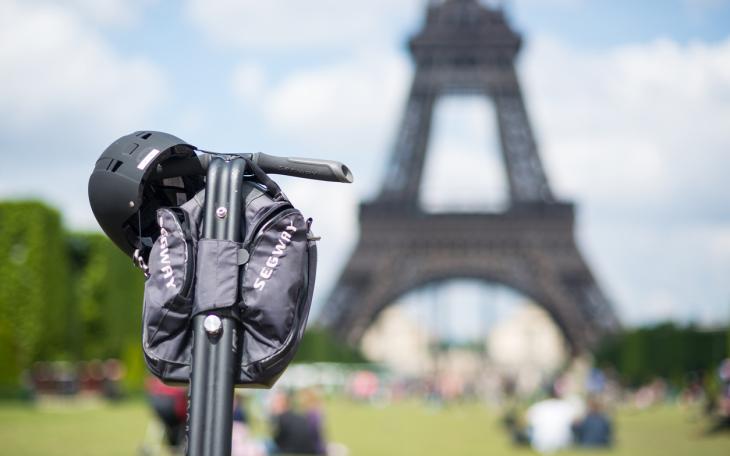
[34, 288]
[63, 296]
[108, 300]
[318, 345]
[665, 350]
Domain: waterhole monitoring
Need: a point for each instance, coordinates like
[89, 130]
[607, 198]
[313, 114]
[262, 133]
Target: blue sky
[630, 102]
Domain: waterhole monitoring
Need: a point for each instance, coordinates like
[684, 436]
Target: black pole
[212, 379]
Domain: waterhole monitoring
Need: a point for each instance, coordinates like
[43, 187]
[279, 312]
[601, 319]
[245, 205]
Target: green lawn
[413, 429]
[89, 428]
[405, 429]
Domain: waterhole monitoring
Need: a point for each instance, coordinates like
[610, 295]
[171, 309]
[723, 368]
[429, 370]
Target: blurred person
[292, 431]
[240, 415]
[92, 376]
[595, 429]
[651, 394]
[514, 422]
[312, 408]
[722, 411]
[65, 378]
[27, 385]
[694, 391]
[550, 422]
[364, 385]
[111, 386]
[41, 377]
[513, 418]
[242, 443]
[170, 406]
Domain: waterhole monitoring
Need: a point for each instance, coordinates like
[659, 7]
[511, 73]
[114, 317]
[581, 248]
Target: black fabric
[170, 267]
[168, 292]
[217, 275]
[270, 294]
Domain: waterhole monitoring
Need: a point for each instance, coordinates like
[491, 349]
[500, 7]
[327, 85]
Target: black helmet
[123, 197]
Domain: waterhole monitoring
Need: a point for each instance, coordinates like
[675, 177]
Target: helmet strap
[141, 250]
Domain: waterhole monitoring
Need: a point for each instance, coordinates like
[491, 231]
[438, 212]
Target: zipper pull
[310, 235]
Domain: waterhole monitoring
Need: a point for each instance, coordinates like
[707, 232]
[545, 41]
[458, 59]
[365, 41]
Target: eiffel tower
[468, 47]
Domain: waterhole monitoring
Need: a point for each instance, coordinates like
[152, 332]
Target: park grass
[471, 429]
[96, 428]
[73, 428]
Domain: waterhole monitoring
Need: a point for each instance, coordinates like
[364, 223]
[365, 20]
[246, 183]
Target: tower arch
[467, 47]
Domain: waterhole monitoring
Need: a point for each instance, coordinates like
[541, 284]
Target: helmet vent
[146, 135]
[114, 165]
[132, 148]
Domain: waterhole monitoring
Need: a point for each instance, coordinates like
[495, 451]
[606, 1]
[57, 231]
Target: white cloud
[55, 68]
[647, 121]
[347, 110]
[464, 169]
[64, 96]
[101, 12]
[292, 25]
[340, 101]
[249, 81]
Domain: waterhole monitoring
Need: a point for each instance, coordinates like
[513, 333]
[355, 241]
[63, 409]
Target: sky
[629, 101]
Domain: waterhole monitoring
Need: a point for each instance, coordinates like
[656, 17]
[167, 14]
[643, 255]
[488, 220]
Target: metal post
[215, 333]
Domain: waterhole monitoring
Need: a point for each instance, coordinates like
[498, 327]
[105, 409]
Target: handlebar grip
[326, 170]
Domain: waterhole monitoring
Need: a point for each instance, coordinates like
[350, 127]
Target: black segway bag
[266, 283]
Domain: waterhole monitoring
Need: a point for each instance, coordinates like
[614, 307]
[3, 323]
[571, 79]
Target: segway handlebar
[308, 168]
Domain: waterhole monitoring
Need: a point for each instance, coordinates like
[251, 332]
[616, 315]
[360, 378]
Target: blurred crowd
[574, 408]
[61, 378]
[293, 421]
[560, 420]
[564, 415]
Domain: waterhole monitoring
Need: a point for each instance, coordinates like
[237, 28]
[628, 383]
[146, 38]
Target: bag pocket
[277, 287]
[167, 297]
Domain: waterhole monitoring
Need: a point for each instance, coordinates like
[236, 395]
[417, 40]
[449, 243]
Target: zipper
[261, 224]
[264, 225]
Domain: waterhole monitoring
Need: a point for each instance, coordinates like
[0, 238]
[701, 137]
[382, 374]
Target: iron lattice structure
[467, 47]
